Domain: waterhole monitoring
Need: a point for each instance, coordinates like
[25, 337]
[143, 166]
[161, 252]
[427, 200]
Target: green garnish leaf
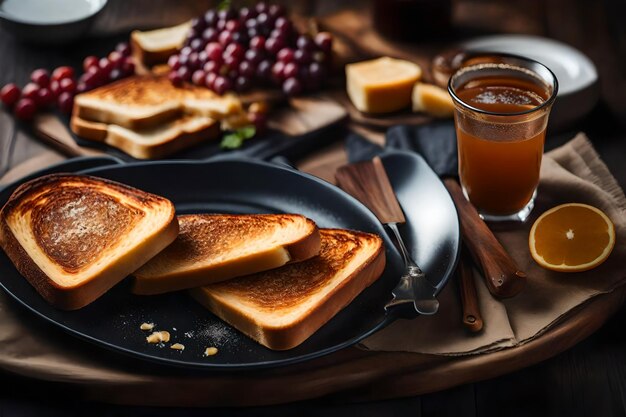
[224, 5]
[236, 138]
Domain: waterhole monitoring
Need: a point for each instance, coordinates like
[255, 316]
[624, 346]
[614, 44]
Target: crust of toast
[146, 101]
[163, 273]
[292, 333]
[82, 292]
[155, 55]
[123, 139]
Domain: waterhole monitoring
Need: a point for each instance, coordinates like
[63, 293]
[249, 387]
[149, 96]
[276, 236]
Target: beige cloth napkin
[571, 173]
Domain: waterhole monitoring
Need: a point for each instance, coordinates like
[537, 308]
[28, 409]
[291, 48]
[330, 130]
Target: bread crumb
[210, 351]
[177, 346]
[158, 337]
[146, 326]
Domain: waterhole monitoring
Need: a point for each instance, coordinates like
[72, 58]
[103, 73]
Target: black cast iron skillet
[252, 186]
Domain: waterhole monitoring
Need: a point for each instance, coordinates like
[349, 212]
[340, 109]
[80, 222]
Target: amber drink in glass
[502, 104]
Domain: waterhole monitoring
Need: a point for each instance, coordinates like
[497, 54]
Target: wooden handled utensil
[502, 275]
[472, 319]
[368, 182]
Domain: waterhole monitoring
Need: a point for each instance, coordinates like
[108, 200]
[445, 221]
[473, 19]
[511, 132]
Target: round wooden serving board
[349, 375]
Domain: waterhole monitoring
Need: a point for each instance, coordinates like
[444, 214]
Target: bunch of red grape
[46, 90]
[235, 49]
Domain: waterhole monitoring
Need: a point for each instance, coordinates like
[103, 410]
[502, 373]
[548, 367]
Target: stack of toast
[148, 117]
[275, 277]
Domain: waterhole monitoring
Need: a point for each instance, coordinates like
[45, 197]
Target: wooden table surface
[589, 379]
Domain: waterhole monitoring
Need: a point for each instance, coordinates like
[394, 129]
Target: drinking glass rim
[547, 103]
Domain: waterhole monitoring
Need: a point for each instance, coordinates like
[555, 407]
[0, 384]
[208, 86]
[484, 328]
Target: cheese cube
[381, 85]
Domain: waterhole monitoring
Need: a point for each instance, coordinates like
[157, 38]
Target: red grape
[44, 97]
[214, 50]
[246, 69]
[31, 91]
[123, 48]
[198, 77]
[290, 70]
[259, 120]
[10, 94]
[302, 57]
[210, 35]
[173, 62]
[81, 88]
[66, 102]
[194, 61]
[211, 66]
[128, 66]
[115, 58]
[55, 87]
[225, 37]
[324, 41]
[246, 13]
[67, 85]
[175, 78]
[62, 72]
[242, 84]
[221, 85]
[115, 74]
[254, 56]
[305, 42]
[240, 38]
[233, 25]
[231, 61]
[90, 61]
[282, 24]
[185, 51]
[234, 49]
[41, 77]
[263, 20]
[273, 45]
[258, 42]
[105, 65]
[285, 55]
[197, 24]
[209, 80]
[185, 73]
[25, 109]
[210, 18]
[261, 7]
[197, 44]
[264, 69]
[276, 10]
[292, 86]
[278, 71]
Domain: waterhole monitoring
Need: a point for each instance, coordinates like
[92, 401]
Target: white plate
[577, 75]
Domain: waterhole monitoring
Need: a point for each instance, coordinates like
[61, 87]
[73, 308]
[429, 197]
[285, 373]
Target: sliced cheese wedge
[433, 100]
[382, 85]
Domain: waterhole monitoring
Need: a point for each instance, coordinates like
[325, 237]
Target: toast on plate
[73, 237]
[155, 46]
[216, 247]
[147, 101]
[152, 143]
[283, 307]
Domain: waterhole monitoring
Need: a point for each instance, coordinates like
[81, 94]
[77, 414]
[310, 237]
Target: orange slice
[571, 238]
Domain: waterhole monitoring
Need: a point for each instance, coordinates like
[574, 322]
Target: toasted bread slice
[146, 101]
[74, 237]
[216, 247]
[281, 308]
[155, 46]
[150, 143]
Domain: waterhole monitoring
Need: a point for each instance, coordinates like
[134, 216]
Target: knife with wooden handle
[502, 275]
[472, 318]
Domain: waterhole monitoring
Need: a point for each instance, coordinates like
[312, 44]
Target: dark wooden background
[589, 379]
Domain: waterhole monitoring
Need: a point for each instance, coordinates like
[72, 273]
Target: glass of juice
[502, 103]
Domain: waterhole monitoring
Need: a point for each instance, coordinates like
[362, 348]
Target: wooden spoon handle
[472, 319]
[502, 275]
